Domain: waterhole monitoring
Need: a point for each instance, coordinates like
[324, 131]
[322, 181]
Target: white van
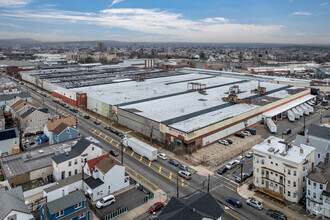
[105, 201]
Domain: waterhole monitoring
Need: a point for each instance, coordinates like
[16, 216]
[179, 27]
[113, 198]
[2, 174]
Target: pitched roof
[106, 164]
[65, 202]
[321, 176]
[8, 134]
[76, 150]
[196, 207]
[28, 112]
[321, 145]
[91, 163]
[92, 182]
[12, 199]
[319, 131]
[58, 130]
[51, 125]
[16, 103]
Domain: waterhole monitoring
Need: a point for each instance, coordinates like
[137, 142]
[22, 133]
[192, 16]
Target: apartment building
[281, 168]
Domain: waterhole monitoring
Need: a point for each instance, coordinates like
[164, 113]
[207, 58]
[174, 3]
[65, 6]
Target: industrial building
[189, 107]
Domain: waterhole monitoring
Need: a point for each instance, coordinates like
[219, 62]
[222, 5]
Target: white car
[162, 156]
[254, 203]
[231, 165]
[105, 201]
[24, 141]
[249, 154]
[246, 133]
[224, 142]
[238, 159]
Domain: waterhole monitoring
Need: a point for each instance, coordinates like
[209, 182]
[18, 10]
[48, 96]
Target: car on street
[249, 154]
[107, 127]
[97, 122]
[24, 141]
[230, 165]
[156, 206]
[224, 142]
[162, 156]
[66, 105]
[287, 131]
[234, 202]
[185, 174]
[114, 153]
[249, 173]
[327, 107]
[105, 201]
[239, 159]
[276, 214]
[174, 162]
[238, 178]
[183, 167]
[120, 134]
[73, 110]
[113, 130]
[229, 141]
[246, 133]
[254, 203]
[240, 135]
[222, 170]
[85, 116]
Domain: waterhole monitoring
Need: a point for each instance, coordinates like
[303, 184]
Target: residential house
[71, 162]
[73, 206]
[90, 164]
[318, 137]
[12, 205]
[318, 190]
[201, 206]
[61, 129]
[2, 121]
[8, 94]
[34, 120]
[9, 139]
[280, 169]
[107, 177]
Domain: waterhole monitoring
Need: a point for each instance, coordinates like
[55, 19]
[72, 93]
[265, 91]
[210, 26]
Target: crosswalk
[225, 182]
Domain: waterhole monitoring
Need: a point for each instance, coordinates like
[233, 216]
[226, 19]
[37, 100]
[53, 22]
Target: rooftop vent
[41, 151]
[67, 153]
[301, 151]
[269, 141]
[283, 154]
[271, 149]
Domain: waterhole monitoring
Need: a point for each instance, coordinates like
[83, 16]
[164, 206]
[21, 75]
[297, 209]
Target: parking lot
[31, 141]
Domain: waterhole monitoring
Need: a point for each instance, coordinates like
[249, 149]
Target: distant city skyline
[209, 21]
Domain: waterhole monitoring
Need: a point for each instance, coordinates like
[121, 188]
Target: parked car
[120, 134]
[222, 170]
[234, 202]
[240, 135]
[105, 201]
[229, 141]
[32, 143]
[97, 122]
[185, 174]
[246, 133]
[327, 107]
[162, 156]
[276, 214]
[254, 203]
[249, 154]
[73, 110]
[238, 178]
[183, 167]
[107, 127]
[174, 162]
[114, 153]
[28, 134]
[249, 173]
[287, 131]
[224, 142]
[113, 130]
[230, 165]
[24, 141]
[239, 159]
[86, 116]
[39, 132]
[66, 105]
[156, 206]
[252, 131]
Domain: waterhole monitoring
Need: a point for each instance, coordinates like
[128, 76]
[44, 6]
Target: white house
[108, 177]
[8, 140]
[281, 168]
[71, 163]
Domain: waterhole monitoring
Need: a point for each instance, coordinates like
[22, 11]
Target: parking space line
[170, 177]
[149, 163]
[132, 153]
[100, 134]
[141, 158]
[160, 169]
[105, 137]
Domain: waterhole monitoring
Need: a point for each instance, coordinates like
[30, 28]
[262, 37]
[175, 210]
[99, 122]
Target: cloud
[13, 3]
[115, 2]
[216, 20]
[11, 25]
[301, 13]
[323, 4]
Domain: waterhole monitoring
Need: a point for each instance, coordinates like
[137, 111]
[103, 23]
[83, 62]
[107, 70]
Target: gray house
[8, 140]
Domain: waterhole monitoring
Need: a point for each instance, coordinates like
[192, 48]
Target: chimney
[307, 141]
[82, 174]
[269, 141]
[301, 151]
[312, 166]
[67, 153]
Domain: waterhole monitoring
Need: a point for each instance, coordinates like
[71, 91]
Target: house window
[68, 130]
[309, 182]
[70, 163]
[318, 155]
[271, 162]
[92, 148]
[269, 157]
[78, 205]
[309, 192]
[321, 197]
[289, 193]
[109, 187]
[276, 164]
[75, 161]
[321, 186]
[262, 161]
[82, 160]
[289, 182]
[60, 213]
[314, 195]
[75, 171]
[314, 185]
[13, 217]
[295, 173]
[294, 184]
[289, 172]
[69, 173]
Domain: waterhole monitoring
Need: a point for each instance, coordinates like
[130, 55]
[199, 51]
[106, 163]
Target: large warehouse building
[189, 107]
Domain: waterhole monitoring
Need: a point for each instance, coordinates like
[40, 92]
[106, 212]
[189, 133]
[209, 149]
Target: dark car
[32, 143]
[229, 141]
[113, 131]
[120, 134]
[234, 202]
[97, 122]
[287, 131]
[114, 153]
[249, 173]
[276, 214]
[252, 131]
[240, 135]
[174, 162]
[28, 134]
[156, 206]
[39, 132]
[87, 117]
[222, 170]
[73, 110]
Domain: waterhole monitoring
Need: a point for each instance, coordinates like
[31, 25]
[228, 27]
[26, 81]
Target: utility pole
[241, 167]
[177, 185]
[122, 152]
[304, 124]
[208, 183]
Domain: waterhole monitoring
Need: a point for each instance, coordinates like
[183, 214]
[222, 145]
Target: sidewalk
[292, 211]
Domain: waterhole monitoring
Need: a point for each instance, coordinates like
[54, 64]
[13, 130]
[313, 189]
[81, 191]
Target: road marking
[141, 158]
[170, 175]
[111, 141]
[160, 169]
[219, 177]
[105, 137]
[100, 134]
[132, 153]
[117, 145]
[231, 214]
[149, 163]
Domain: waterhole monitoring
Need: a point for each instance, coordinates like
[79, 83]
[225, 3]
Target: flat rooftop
[276, 147]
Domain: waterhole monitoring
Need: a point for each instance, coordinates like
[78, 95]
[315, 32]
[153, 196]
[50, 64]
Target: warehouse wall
[94, 105]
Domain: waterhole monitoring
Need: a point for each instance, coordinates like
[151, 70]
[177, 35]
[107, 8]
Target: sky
[204, 21]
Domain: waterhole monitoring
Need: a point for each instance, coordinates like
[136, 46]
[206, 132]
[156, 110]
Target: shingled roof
[106, 164]
[51, 125]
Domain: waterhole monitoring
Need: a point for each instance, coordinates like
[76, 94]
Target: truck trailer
[141, 148]
[290, 115]
[271, 125]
